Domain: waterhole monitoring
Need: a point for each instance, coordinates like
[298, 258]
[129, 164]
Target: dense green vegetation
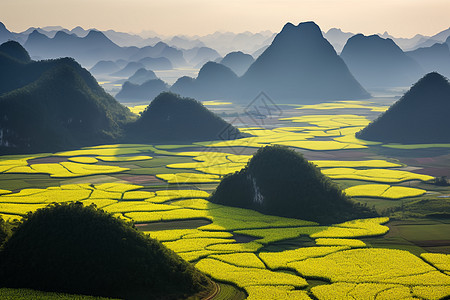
[64, 107]
[15, 50]
[5, 230]
[61, 102]
[84, 250]
[420, 116]
[279, 181]
[170, 117]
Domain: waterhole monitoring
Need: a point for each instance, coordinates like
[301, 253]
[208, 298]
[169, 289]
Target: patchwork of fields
[164, 188]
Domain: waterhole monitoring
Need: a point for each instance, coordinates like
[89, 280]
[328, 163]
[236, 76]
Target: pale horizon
[400, 18]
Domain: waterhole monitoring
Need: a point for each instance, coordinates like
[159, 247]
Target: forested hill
[52, 105]
[420, 116]
[279, 181]
[170, 117]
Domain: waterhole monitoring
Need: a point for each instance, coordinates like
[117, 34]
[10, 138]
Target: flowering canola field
[335, 254]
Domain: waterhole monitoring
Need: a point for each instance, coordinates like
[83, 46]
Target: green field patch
[83, 159]
[117, 187]
[107, 150]
[17, 294]
[270, 235]
[416, 146]
[383, 191]
[171, 147]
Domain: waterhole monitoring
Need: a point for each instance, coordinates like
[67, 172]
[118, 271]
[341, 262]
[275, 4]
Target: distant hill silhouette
[145, 91]
[437, 38]
[52, 105]
[184, 43]
[15, 50]
[160, 50]
[89, 49]
[5, 34]
[406, 44]
[104, 67]
[170, 117]
[203, 55]
[156, 63]
[279, 181]
[128, 70]
[214, 81]
[337, 38]
[142, 75]
[378, 62]
[420, 116]
[238, 62]
[433, 59]
[300, 64]
[83, 250]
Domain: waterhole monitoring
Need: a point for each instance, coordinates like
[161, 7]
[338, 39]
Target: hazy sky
[401, 18]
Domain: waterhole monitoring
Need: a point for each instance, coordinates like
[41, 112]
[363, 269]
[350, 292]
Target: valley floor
[163, 189]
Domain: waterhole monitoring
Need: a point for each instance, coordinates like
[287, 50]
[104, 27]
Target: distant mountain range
[297, 66]
[434, 58]
[146, 91]
[238, 62]
[294, 68]
[56, 104]
[421, 116]
[214, 81]
[121, 54]
[378, 62]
